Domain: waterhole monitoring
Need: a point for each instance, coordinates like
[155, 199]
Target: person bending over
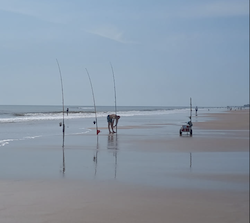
[111, 119]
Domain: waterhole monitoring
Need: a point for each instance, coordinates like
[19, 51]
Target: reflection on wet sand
[96, 155]
[190, 160]
[113, 144]
[112, 141]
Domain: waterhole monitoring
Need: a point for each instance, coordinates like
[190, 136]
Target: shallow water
[28, 122]
[116, 160]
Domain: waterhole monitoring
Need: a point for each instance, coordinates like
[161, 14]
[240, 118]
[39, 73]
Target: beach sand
[231, 120]
[74, 200]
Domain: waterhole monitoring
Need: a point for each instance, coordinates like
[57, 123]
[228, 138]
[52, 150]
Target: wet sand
[231, 120]
[203, 195]
[39, 201]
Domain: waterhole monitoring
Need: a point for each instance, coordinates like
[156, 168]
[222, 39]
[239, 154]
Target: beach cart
[188, 128]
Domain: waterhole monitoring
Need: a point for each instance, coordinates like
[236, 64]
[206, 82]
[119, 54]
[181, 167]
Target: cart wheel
[191, 132]
[180, 133]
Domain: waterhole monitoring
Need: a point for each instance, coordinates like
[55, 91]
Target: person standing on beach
[67, 111]
[196, 109]
[111, 119]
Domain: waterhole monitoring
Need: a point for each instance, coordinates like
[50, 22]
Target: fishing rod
[190, 109]
[114, 91]
[63, 125]
[95, 122]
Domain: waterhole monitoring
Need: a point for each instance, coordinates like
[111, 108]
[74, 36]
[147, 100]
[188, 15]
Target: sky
[162, 52]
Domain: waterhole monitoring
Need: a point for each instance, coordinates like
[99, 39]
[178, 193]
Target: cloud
[17, 10]
[38, 10]
[111, 33]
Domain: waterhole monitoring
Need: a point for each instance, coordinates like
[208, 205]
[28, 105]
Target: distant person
[111, 119]
[196, 109]
[67, 111]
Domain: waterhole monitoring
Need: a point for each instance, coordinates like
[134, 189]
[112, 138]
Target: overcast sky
[163, 52]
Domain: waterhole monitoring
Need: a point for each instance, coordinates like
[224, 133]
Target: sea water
[30, 122]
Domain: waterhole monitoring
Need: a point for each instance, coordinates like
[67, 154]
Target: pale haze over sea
[162, 52]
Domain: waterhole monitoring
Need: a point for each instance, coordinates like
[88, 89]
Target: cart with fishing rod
[188, 127]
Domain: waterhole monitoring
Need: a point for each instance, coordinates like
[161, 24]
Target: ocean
[26, 122]
[24, 113]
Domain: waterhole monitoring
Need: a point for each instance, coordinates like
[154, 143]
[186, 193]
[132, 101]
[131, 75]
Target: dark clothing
[109, 119]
